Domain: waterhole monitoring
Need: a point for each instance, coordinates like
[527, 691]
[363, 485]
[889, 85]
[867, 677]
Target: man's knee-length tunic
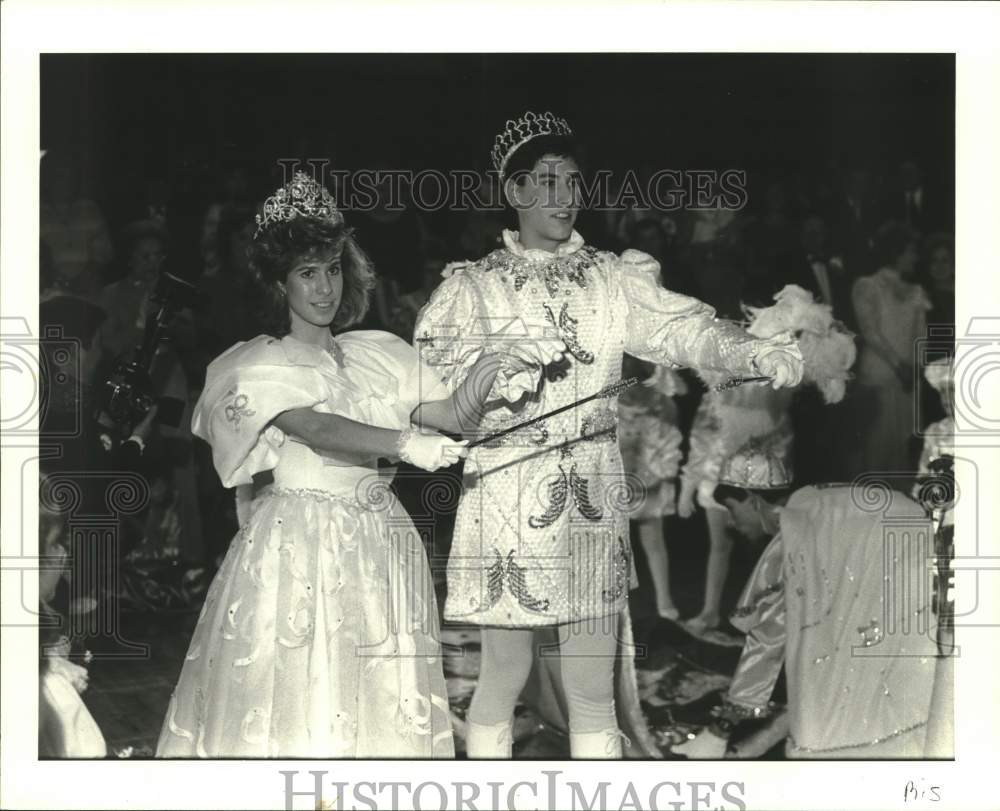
[542, 529]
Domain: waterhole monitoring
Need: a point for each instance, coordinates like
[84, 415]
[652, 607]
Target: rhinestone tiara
[762, 463]
[301, 197]
[517, 133]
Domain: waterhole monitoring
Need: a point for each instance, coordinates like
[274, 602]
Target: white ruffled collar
[511, 240]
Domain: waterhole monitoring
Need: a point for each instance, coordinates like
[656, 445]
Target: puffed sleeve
[391, 375]
[677, 330]
[244, 391]
[456, 326]
[760, 613]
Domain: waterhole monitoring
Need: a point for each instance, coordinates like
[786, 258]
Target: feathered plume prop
[827, 346]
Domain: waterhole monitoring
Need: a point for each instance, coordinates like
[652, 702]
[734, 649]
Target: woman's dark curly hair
[279, 247]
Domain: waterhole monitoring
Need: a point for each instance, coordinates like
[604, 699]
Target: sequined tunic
[840, 599]
[542, 529]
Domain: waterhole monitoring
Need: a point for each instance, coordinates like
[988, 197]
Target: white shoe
[603, 745]
[488, 742]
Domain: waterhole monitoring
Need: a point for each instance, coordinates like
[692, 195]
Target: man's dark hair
[724, 492]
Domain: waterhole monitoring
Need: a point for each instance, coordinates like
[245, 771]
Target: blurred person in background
[815, 268]
[129, 304]
[853, 221]
[234, 195]
[912, 200]
[227, 304]
[72, 228]
[891, 311]
[650, 443]
[937, 259]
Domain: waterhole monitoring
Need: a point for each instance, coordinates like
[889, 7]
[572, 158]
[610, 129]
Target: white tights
[587, 652]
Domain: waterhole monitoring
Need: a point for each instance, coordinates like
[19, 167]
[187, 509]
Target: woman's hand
[429, 451]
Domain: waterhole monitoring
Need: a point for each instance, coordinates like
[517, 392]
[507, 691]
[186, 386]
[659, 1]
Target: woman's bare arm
[333, 433]
[461, 413]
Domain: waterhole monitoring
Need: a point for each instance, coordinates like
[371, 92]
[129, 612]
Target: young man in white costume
[541, 539]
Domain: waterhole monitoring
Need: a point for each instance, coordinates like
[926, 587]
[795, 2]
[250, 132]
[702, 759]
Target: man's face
[547, 199]
[746, 517]
[147, 258]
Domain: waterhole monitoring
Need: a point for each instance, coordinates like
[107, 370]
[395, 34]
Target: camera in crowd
[129, 392]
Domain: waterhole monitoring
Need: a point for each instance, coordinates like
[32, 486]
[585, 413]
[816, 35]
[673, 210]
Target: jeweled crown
[519, 132]
[301, 197]
[760, 464]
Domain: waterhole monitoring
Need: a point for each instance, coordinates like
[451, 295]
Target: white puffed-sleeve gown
[318, 637]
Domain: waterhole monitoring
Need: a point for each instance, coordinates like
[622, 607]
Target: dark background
[187, 117]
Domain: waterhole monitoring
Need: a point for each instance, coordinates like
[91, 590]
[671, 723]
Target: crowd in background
[874, 243]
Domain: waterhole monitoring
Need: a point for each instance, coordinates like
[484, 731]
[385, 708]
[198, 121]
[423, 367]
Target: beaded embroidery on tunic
[570, 269]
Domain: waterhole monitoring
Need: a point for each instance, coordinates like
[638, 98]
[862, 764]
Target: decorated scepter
[608, 391]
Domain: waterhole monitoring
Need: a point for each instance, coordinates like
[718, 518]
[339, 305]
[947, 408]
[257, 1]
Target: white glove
[782, 363]
[429, 451]
[531, 341]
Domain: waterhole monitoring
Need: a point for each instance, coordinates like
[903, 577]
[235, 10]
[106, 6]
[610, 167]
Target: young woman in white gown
[318, 637]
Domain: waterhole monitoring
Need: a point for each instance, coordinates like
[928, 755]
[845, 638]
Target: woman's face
[147, 258]
[940, 268]
[547, 201]
[313, 289]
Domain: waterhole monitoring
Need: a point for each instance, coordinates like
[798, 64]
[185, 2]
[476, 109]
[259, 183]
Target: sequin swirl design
[507, 572]
[567, 326]
[559, 487]
[570, 269]
[621, 573]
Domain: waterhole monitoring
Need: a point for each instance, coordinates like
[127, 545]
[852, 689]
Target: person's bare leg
[719, 549]
[655, 547]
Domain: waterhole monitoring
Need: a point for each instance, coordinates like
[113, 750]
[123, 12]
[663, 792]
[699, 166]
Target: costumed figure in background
[837, 601]
[727, 419]
[650, 443]
[541, 538]
[891, 309]
[318, 637]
